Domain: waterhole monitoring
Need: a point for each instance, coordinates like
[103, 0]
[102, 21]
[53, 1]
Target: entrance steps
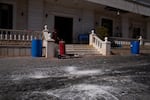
[81, 49]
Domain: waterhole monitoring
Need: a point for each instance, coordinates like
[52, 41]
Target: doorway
[6, 16]
[64, 28]
[107, 23]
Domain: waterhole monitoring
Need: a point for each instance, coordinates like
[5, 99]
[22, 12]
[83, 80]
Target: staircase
[81, 49]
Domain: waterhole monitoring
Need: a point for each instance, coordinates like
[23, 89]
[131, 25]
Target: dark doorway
[109, 25]
[6, 16]
[64, 27]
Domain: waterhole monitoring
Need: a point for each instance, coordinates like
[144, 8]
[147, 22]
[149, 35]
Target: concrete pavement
[89, 78]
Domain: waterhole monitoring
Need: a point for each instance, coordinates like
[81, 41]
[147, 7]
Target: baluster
[15, 37]
[23, 37]
[10, 36]
[27, 37]
[6, 37]
[19, 37]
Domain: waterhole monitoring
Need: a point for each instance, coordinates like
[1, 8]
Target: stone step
[81, 49]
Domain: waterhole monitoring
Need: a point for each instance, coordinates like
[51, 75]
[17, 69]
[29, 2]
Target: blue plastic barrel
[135, 47]
[36, 48]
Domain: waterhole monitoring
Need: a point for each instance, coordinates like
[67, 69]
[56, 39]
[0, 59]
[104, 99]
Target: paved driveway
[89, 78]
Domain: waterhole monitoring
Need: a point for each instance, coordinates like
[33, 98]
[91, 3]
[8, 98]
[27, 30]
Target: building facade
[70, 18]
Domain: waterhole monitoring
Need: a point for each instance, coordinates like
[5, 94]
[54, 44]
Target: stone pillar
[125, 26]
[91, 37]
[50, 48]
[48, 43]
[35, 14]
[148, 30]
[106, 47]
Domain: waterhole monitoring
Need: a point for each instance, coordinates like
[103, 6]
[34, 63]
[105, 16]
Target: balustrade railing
[121, 41]
[102, 46]
[127, 41]
[97, 42]
[18, 37]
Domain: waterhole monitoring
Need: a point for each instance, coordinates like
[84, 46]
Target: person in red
[55, 36]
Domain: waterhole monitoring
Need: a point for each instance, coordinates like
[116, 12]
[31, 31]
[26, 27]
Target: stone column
[48, 43]
[106, 47]
[35, 14]
[125, 26]
[91, 37]
[50, 48]
[148, 29]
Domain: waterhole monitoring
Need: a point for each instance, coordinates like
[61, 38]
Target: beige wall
[35, 14]
[21, 14]
[148, 29]
[125, 26]
[79, 27]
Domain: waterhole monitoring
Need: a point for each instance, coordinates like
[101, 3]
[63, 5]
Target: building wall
[137, 21]
[35, 14]
[22, 14]
[148, 29]
[83, 19]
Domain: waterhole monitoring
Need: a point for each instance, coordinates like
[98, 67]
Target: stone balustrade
[21, 35]
[102, 46]
[17, 42]
[119, 41]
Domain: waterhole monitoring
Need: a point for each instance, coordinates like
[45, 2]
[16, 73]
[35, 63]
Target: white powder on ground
[38, 75]
[85, 92]
[75, 71]
[35, 74]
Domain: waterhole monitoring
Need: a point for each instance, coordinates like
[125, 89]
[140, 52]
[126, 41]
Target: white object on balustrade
[92, 32]
[141, 40]
[106, 39]
[45, 28]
